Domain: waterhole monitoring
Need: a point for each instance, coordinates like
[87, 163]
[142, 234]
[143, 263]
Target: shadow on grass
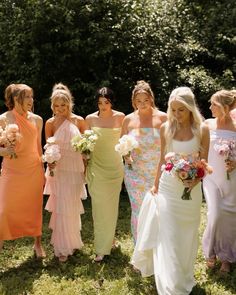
[228, 280]
[198, 290]
[81, 265]
[145, 285]
[20, 279]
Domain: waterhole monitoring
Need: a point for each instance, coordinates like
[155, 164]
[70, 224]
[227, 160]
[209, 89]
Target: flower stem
[227, 174]
[186, 194]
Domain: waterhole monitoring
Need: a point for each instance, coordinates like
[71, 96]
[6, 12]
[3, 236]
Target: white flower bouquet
[52, 153]
[84, 143]
[9, 137]
[126, 144]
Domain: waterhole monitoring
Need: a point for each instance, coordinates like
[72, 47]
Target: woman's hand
[128, 160]
[230, 165]
[154, 190]
[7, 151]
[52, 166]
[191, 183]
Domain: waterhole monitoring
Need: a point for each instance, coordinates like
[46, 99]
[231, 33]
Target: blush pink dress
[66, 189]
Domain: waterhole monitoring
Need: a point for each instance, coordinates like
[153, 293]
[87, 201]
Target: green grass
[21, 273]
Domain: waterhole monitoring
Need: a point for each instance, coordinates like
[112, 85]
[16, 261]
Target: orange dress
[21, 186]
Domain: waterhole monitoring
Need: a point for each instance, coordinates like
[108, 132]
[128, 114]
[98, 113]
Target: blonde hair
[224, 98]
[15, 90]
[142, 87]
[185, 96]
[61, 86]
[65, 96]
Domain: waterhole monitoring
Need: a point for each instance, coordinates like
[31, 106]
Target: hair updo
[18, 91]
[105, 92]
[225, 98]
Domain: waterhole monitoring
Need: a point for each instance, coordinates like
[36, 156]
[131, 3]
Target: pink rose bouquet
[9, 137]
[52, 153]
[227, 149]
[186, 167]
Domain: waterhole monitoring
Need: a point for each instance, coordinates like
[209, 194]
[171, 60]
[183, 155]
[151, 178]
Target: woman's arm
[39, 124]
[82, 125]
[5, 151]
[49, 129]
[124, 127]
[205, 142]
[154, 189]
[88, 122]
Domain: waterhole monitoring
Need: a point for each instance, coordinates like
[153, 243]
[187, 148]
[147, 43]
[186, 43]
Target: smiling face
[104, 104]
[24, 100]
[142, 101]
[216, 109]
[180, 112]
[60, 107]
[28, 101]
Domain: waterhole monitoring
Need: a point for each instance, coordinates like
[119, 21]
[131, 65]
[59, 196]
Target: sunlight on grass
[21, 273]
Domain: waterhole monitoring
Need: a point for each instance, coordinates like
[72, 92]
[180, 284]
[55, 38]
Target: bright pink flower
[169, 166]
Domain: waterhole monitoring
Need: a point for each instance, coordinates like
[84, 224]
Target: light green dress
[104, 178]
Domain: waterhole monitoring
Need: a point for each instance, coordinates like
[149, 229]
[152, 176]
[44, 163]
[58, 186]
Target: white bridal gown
[167, 246]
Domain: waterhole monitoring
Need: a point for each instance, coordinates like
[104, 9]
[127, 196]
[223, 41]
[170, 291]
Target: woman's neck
[20, 111]
[145, 113]
[184, 126]
[106, 114]
[224, 121]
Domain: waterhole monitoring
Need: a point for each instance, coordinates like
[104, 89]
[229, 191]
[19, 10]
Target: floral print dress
[140, 178]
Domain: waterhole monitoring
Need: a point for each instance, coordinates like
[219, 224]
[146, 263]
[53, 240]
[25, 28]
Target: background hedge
[89, 44]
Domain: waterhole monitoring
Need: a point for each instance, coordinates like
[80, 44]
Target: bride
[171, 255]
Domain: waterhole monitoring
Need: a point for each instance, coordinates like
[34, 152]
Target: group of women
[166, 247]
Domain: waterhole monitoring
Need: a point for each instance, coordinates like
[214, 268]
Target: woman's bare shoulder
[36, 117]
[50, 121]
[77, 117]
[5, 117]
[209, 122]
[130, 116]
[161, 115]
[92, 116]
[118, 114]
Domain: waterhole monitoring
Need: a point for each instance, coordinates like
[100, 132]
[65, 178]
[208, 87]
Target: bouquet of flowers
[52, 153]
[227, 149]
[84, 143]
[186, 167]
[126, 144]
[9, 137]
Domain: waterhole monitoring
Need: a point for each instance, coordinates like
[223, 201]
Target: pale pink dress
[66, 189]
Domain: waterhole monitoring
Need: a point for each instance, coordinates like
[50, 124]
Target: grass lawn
[21, 273]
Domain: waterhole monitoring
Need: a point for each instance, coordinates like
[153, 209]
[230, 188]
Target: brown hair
[142, 87]
[15, 90]
[225, 98]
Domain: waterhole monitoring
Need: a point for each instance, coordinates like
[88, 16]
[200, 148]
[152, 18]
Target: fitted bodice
[185, 147]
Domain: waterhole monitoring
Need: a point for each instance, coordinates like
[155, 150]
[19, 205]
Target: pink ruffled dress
[66, 189]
